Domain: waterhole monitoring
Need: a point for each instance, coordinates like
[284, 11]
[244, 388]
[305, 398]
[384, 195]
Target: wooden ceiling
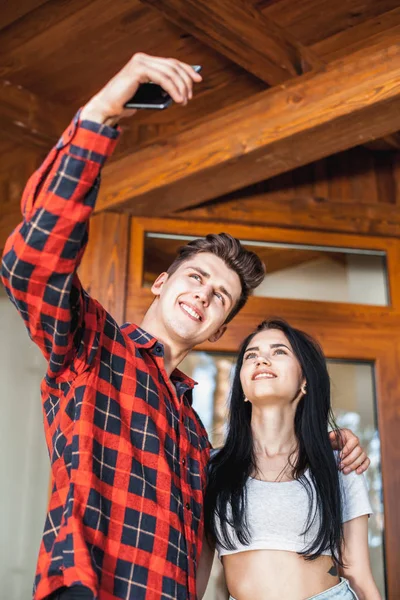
[285, 83]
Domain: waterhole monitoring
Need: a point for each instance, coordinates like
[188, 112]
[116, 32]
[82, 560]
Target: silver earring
[304, 389]
[246, 399]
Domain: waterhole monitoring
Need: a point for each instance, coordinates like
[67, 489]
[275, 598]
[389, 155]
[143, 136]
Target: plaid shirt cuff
[89, 140]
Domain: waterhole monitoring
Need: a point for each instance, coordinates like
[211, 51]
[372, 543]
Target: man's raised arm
[42, 255]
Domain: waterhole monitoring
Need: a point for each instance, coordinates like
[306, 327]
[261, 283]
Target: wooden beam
[28, 119]
[243, 34]
[353, 101]
[311, 213]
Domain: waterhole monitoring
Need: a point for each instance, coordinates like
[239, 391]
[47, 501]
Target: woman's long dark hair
[235, 462]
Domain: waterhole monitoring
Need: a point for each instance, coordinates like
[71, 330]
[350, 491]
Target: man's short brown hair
[246, 264]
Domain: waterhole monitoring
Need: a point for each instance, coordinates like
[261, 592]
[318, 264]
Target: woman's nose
[263, 360]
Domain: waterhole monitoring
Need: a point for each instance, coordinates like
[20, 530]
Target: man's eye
[195, 276]
[219, 296]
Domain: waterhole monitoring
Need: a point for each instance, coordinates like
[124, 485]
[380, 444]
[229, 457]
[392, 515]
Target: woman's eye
[280, 351]
[251, 355]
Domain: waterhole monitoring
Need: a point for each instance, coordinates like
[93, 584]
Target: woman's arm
[204, 568]
[357, 567]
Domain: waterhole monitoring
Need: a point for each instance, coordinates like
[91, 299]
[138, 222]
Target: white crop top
[279, 513]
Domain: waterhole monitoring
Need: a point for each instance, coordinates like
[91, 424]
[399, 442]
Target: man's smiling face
[196, 299]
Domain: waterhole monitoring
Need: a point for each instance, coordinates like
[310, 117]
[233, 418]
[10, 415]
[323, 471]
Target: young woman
[288, 525]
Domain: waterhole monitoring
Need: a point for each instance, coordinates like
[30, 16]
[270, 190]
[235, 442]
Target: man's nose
[203, 295]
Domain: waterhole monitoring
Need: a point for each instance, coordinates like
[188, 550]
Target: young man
[128, 452]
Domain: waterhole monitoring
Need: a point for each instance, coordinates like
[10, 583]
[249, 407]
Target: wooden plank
[12, 11]
[312, 213]
[274, 132]
[15, 168]
[28, 119]
[320, 187]
[359, 36]
[385, 180]
[41, 17]
[396, 175]
[311, 21]
[103, 269]
[72, 39]
[243, 34]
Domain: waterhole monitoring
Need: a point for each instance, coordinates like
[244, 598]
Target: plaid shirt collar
[142, 339]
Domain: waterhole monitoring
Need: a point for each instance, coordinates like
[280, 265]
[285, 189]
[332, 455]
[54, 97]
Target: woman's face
[271, 373]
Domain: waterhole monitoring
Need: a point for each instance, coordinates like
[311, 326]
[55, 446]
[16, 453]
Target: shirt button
[187, 505]
[158, 349]
[183, 461]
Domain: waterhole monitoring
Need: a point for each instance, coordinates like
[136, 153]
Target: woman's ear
[158, 284]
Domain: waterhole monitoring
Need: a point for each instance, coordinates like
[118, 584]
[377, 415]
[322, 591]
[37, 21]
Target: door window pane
[294, 271]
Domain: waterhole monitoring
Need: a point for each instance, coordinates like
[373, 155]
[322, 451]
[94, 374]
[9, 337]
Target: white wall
[24, 462]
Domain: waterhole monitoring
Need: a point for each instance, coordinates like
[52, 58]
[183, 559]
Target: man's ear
[218, 334]
[158, 284]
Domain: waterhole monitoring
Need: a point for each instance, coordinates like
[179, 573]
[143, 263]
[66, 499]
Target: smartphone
[152, 96]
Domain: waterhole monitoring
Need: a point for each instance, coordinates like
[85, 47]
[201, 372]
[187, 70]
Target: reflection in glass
[294, 271]
[353, 400]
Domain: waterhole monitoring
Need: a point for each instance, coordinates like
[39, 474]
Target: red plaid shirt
[128, 452]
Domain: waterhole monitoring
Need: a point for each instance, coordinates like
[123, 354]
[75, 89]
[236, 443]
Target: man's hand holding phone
[175, 77]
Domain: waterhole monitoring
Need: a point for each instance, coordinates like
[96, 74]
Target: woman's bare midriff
[277, 574]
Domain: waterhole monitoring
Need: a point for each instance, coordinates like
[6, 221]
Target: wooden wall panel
[357, 191]
[16, 166]
[103, 270]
